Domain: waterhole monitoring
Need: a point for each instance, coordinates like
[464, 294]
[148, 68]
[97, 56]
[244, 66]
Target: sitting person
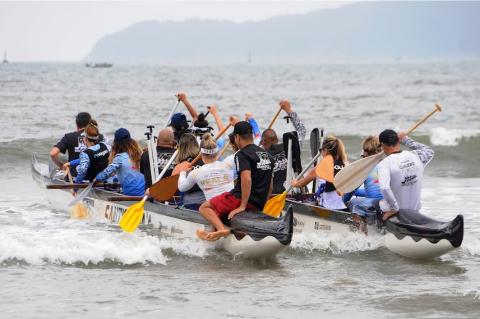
[165, 150]
[400, 174]
[73, 142]
[326, 194]
[94, 159]
[187, 151]
[125, 162]
[214, 177]
[270, 143]
[366, 198]
[253, 188]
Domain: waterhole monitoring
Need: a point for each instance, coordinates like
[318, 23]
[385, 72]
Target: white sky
[66, 31]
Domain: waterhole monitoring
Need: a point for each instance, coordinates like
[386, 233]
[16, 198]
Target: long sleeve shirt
[401, 175]
[299, 127]
[121, 165]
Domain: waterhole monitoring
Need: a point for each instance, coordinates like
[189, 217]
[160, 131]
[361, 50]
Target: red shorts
[224, 203]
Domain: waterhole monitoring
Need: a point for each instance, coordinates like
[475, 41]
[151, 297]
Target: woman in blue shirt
[125, 163]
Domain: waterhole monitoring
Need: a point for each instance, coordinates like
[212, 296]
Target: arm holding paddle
[246, 177]
[297, 123]
[304, 181]
[191, 109]
[214, 111]
[425, 153]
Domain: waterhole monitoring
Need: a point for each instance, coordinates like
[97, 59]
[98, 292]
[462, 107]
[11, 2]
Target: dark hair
[131, 147]
[389, 138]
[83, 119]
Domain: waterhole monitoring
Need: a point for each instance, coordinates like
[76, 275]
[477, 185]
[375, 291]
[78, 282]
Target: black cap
[242, 128]
[121, 134]
[389, 138]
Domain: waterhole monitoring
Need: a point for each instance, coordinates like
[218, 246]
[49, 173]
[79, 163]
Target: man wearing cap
[269, 142]
[253, 187]
[165, 150]
[73, 141]
[400, 174]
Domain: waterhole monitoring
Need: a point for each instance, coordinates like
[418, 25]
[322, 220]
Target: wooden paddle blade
[353, 175]
[181, 167]
[324, 169]
[165, 188]
[274, 206]
[132, 217]
[79, 211]
[79, 198]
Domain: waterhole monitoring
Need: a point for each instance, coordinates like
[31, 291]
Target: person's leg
[208, 211]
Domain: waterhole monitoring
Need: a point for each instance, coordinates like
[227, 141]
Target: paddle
[82, 195]
[274, 205]
[78, 186]
[163, 189]
[79, 210]
[274, 118]
[314, 147]
[353, 175]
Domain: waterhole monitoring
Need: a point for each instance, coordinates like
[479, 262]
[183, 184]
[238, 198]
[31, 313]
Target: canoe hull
[269, 236]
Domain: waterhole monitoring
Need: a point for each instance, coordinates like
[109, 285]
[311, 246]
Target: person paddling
[214, 177]
[124, 162]
[253, 187]
[73, 142]
[326, 193]
[401, 173]
[94, 159]
[165, 150]
[269, 142]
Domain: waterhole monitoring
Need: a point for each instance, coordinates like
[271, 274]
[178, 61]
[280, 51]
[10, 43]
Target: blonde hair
[187, 147]
[371, 145]
[335, 147]
[208, 142]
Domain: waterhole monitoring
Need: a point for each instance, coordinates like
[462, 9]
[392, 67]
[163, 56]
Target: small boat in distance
[5, 57]
[99, 65]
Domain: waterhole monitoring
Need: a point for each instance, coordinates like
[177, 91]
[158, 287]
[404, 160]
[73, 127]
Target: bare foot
[202, 234]
[213, 236]
[388, 215]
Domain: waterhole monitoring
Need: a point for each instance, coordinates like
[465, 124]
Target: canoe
[409, 233]
[254, 235]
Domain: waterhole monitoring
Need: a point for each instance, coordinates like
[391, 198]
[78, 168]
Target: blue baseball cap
[121, 134]
[178, 119]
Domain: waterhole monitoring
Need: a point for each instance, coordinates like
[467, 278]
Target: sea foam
[450, 137]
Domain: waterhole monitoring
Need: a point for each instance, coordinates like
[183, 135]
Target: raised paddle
[353, 175]
[274, 205]
[163, 189]
[274, 118]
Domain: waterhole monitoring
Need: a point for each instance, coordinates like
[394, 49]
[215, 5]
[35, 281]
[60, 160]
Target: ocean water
[54, 267]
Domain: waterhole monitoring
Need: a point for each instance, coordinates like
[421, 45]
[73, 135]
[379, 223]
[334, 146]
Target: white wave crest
[337, 243]
[450, 137]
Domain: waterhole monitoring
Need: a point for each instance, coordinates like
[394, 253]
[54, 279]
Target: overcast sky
[66, 31]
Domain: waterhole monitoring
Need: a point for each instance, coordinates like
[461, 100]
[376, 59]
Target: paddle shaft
[71, 186]
[171, 113]
[305, 169]
[438, 108]
[322, 136]
[274, 118]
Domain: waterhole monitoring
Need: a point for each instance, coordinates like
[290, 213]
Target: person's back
[98, 157]
[401, 172]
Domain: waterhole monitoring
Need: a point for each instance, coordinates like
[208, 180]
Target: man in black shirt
[253, 187]
[73, 141]
[270, 143]
[165, 150]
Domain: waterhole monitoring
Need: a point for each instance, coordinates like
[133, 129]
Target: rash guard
[400, 176]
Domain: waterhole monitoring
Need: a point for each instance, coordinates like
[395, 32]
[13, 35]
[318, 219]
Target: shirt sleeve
[389, 202]
[242, 163]
[75, 162]
[62, 145]
[424, 152]
[112, 168]
[299, 127]
[82, 167]
[186, 182]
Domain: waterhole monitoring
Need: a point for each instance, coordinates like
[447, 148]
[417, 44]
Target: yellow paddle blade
[79, 211]
[274, 206]
[324, 169]
[132, 217]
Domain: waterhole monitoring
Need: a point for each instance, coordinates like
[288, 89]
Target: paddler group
[187, 154]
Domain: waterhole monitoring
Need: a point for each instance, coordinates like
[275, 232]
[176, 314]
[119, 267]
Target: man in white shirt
[400, 174]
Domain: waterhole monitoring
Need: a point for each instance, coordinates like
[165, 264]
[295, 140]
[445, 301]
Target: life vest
[98, 161]
[337, 167]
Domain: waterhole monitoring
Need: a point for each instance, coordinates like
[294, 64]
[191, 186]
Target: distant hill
[362, 32]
